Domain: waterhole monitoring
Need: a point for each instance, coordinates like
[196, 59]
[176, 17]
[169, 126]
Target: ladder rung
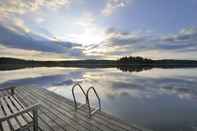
[94, 111]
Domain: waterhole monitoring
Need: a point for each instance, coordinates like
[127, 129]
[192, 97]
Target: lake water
[159, 99]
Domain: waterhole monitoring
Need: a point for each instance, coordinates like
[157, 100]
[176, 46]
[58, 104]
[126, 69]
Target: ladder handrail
[86, 94]
[73, 93]
[88, 102]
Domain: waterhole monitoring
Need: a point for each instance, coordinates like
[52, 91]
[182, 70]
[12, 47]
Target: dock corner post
[35, 118]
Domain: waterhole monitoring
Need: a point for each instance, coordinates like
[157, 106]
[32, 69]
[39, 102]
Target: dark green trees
[130, 60]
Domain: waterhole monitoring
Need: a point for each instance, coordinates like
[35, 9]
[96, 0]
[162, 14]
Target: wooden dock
[57, 113]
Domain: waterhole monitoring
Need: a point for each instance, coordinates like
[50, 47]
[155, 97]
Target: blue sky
[98, 29]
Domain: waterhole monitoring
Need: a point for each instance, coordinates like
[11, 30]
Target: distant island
[128, 63]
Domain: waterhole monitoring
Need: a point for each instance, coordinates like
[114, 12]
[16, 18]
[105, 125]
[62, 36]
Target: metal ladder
[74, 98]
[90, 111]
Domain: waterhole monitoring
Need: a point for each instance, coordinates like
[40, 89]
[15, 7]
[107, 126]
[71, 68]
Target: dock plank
[43, 125]
[19, 118]
[19, 107]
[4, 124]
[14, 124]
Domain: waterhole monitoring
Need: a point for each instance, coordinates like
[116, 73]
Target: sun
[89, 36]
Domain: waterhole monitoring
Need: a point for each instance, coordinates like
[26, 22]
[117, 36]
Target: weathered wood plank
[4, 125]
[43, 125]
[19, 118]
[19, 107]
[13, 122]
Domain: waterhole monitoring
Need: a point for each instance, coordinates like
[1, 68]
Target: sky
[98, 29]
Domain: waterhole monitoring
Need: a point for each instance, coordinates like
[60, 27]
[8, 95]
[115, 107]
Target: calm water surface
[159, 99]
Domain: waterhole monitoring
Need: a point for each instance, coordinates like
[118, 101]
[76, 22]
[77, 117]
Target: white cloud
[23, 6]
[112, 5]
[13, 13]
[19, 26]
[15, 24]
[186, 34]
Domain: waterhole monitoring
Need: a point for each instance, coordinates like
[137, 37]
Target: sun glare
[83, 30]
[89, 37]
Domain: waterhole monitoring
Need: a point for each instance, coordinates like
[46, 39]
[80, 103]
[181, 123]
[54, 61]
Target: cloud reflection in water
[165, 97]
